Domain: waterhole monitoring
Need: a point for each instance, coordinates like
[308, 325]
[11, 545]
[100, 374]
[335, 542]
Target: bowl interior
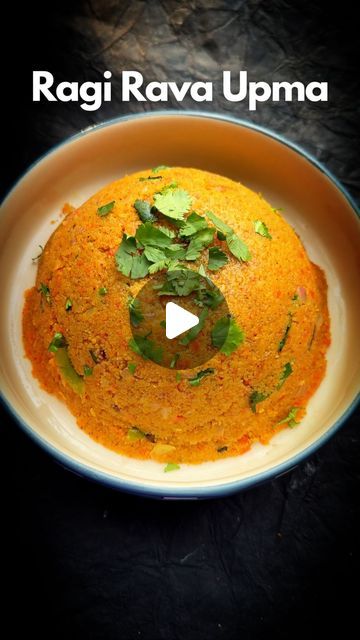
[312, 204]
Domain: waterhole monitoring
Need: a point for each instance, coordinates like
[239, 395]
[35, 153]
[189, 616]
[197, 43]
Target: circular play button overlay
[179, 319]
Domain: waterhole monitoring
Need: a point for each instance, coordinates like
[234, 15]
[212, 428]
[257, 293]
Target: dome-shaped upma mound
[77, 330]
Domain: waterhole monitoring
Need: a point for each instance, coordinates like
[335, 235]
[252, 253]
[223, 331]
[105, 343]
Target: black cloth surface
[280, 560]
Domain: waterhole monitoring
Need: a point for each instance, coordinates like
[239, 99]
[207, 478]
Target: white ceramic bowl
[313, 202]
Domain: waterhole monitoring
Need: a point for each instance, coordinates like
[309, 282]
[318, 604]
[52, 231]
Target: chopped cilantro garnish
[39, 254]
[103, 291]
[198, 242]
[237, 247]
[163, 324]
[261, 228]
[67, 369]
[180, 282]
[286, 333]
[158, 266]
[146, 348]
[148, 235]
[132, 368]
[135, 312]
[135, 433]
[87, 370]
[178, 376]
[257, 397]
[221, 236]
[154, 255]
[295, 297]
[194, 331]
[202, 271]
[161, 167]
[286, 372]
[105, 209]
[217, 259]
[58, 342]
[219, 224]
[174, 360]
[290, 419]
[168, 232]
[195, 381]
[192, 225]
[45, 291]
[144, 210]
[129, 261]
[171, 466]
[68, 304]
[222, 449]
[173, 203]
[227, 335]
[211, 298]
[142, 179]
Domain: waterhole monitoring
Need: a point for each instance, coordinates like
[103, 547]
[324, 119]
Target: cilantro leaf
[153, 254]
[168, 232]
[140, 267]
[290, 419]
[286, 333]
[180, 282]
[68, 304]
[132, 368]
[173, 203]
[217, 259]
[135, 433]
[171, 466]
[202, 271]
[227, 335]
[193, 224]
[158, 266]
[255, 398]
[103, 291]
[219, 224]
[146, 348]
[125, 253]
[195, 381]
[105, 209]
[211, 298]
[237, 247]
[161, 167]
[234, 338]
[45, 291]
[261, 228]
[286, 372]
[87, 370]
[198, 242]
[135, 312]
[144, 210]
[194, 331]
[146, 234]
[58, 342]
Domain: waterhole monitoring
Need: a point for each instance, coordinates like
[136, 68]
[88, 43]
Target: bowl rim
[167, 491]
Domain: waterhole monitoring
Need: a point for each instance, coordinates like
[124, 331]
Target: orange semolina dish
[78, 336]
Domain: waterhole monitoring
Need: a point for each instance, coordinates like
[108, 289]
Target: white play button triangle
[178, 320]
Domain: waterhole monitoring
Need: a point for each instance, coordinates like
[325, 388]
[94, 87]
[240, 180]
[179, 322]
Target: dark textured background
[81, 561]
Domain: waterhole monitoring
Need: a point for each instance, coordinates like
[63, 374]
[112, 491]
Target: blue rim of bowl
[168, 491]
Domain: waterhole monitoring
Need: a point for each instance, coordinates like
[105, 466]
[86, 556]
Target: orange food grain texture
[214, 419]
